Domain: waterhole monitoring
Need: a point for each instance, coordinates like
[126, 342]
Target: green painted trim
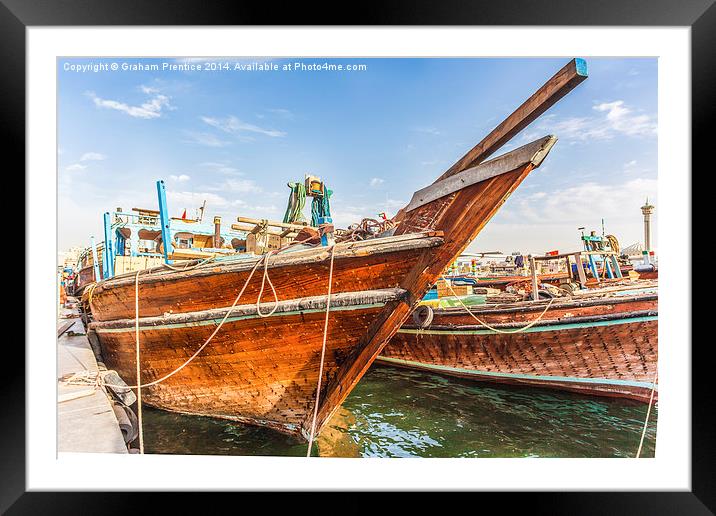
[474, 372]
[217, 320]
[534, 329]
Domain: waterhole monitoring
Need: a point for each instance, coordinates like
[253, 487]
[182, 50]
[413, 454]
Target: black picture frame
[17, 15]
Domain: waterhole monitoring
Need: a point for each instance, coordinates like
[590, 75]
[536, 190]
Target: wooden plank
[265, 222]
[533, 273]
[305, 257]
[65, 327]
[345, 299]
[580, 270]
[564, 81]
[533, 152]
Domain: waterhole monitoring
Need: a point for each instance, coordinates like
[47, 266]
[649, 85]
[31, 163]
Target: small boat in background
[600, 341]
[135, 242]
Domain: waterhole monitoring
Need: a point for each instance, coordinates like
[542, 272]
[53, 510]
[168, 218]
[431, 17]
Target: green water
[401, 413]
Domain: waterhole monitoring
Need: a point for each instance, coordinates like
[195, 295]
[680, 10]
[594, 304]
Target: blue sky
[236, 137]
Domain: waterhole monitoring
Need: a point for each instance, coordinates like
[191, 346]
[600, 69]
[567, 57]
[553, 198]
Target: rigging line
[323, 354]
[264, 278]
[139, 379]
[518, 330]
[648, 411]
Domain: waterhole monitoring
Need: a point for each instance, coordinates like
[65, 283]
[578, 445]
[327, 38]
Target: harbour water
[401, 413]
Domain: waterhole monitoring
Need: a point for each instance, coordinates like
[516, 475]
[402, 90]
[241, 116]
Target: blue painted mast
[108, 255]
[95, 262]
[164, 220]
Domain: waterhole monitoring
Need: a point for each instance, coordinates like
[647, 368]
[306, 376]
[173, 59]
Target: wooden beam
[533, 152]
[533, 273]
[247, 220]
[564, 81]
[340, 300]
[257, 229]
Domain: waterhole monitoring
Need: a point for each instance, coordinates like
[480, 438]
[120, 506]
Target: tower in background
[647, 210]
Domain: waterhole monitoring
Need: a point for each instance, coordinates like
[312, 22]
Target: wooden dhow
[602, 342]
[267, 360]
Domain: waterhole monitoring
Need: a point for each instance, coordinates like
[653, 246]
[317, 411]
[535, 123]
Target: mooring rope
[648, 411]
[265, 278]
[323, 353]
[518, 330]
[139, 378]
[190, 268]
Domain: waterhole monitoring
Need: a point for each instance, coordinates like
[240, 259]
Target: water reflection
[402, 413]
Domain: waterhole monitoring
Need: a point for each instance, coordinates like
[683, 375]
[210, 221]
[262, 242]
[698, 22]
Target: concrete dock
[86, 420]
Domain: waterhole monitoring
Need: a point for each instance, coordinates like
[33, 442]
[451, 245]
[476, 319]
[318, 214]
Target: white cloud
[195, 199]
[376, 182]
[180, 178]
[240, 186]
[148, 89]
[615, 119]
[584, 201]
[206, 139]
[93, 156]
[152, 108]
[220, 167]
[426, 130]
[546, 220]
[630, 164]
[75, 167]
[233, 125]
[621, 119]
[283, 113]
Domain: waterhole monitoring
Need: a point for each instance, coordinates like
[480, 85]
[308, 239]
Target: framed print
[470, 303]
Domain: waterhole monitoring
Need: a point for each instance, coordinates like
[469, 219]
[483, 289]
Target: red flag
[183, 215]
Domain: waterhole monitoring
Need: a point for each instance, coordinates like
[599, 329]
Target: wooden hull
[605, 347]
[257, 370]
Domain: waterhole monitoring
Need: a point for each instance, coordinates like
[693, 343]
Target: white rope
[648, 411]
[264, 278]
[139, 378]
[323, 353]
[190, 268]
[518, 330]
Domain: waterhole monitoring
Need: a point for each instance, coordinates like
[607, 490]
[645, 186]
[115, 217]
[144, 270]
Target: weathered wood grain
[218, 285]
[261, 371]
[598, 340]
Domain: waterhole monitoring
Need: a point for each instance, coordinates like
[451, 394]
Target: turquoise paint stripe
[515, 376]
[534, 329]
[237, 318]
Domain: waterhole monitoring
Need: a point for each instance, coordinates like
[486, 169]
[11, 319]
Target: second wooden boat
[597, 343]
